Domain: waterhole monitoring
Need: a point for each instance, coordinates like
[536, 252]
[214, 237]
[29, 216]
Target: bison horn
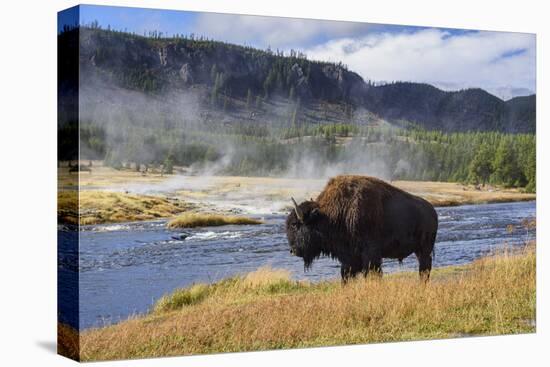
[298, 211]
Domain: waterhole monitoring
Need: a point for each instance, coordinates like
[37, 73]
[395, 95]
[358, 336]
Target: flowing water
[124, 268]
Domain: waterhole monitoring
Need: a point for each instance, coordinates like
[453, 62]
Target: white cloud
[276, 32]
[437, 56]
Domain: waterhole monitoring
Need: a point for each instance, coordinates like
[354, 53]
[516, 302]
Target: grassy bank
[113, 205]
[268, 310]
[96, 207]
[191, 220]
[452, 194]
[281, 189]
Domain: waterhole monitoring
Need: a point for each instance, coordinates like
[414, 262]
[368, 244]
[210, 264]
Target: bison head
[304, 231]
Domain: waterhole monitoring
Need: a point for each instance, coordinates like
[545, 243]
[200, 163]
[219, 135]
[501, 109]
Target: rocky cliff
[235, 80]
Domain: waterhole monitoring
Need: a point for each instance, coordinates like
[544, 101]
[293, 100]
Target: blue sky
[449, 58]
[171, 22]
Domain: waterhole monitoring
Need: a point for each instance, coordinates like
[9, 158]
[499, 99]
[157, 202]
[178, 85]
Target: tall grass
[68, 343]
[96, 207]
[266, 310]
[190, 220]
[264, 281]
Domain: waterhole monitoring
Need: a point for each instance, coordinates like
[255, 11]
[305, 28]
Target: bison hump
[356, 203]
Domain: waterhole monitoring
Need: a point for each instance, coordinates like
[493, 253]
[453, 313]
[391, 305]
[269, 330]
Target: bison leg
[424, 256]
[424, 265]
[374, 266]
[372, 262]
[348, 271]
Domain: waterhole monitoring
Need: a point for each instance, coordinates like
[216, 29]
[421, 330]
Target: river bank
[126, 267]
[266, 309]
[109, 196]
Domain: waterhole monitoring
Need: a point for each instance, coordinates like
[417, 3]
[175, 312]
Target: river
[125, 267]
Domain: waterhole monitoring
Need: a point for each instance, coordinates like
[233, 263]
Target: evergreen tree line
[480, 158]
[272, 72]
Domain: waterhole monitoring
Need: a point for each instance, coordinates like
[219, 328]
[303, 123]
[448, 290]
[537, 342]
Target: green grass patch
[181, 298]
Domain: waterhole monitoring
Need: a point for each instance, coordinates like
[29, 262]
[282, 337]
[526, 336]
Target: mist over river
[126, 267]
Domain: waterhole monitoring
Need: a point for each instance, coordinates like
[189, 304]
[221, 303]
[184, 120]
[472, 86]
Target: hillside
[465, 110]
[232, 83]
[522, 112]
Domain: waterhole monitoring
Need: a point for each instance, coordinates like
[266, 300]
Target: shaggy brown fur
[360, 220]
[345, 198]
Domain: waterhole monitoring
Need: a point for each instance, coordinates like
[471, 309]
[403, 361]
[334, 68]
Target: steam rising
[145, 129]
[130, 119]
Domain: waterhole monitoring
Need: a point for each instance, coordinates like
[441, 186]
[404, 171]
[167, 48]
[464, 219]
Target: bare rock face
[334, 76]
[334, 73]
[296, 73]
[176, 64]
[163, 53]
[346, 85]
[299, 79]
[168, 56]
[186, 74]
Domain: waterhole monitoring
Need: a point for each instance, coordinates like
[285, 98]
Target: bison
[360, 220]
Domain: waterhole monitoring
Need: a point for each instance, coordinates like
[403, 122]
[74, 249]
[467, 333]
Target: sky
[448, 58]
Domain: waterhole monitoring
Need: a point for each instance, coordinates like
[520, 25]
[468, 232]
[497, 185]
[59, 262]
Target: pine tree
[168, 166]
[481, 166]
[530, 169]
[506, 170]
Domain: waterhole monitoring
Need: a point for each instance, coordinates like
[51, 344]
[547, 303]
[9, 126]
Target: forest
[481, 158]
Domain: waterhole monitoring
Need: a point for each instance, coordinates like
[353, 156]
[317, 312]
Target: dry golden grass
[104, 177]
[265, 280]
[266, 276]
[203, 190]
[68, 343]
[281, 189]
[494, 295]
[95, 207]
[451, 194]
[191, 220]
[67, 207]
[438, 193]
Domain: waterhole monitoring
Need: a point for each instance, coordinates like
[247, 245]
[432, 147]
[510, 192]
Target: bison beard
[359, 220]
